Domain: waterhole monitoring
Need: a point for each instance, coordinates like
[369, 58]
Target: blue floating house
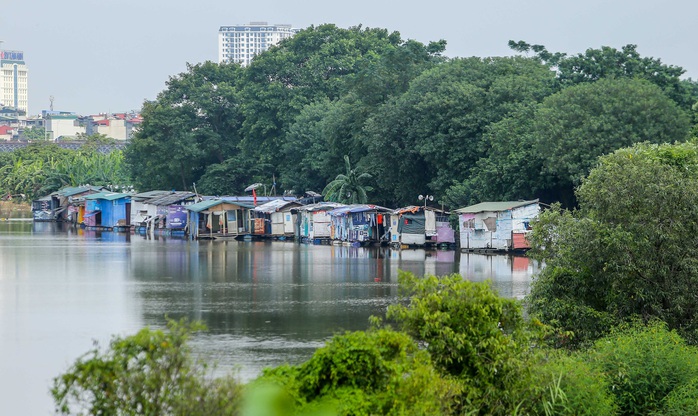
[108, 210]
[359, 224]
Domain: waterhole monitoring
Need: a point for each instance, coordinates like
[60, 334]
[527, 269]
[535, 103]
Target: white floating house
[496, 225]
[279, 220]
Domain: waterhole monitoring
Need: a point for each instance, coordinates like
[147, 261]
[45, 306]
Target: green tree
[608, 62]
[34, 134]
[323, 63]
[348, 187]
[544, 151]
[150, 373]
[628, 252]
[431, 136]
[193, 123]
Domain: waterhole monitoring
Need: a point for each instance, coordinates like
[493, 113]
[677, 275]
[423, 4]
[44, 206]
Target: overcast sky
[96, 56]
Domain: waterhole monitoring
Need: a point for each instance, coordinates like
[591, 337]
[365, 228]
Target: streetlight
[426, 198]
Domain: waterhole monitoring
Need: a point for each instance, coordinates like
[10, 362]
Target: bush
[644, 364]
[379, 372]
[472, 334]
[568, 385]
[683, 400]
[149, 373]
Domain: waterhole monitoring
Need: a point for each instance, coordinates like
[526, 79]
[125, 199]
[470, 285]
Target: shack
[500, 226]
[65, 204]
[359, 224]
[314, 223]
[278, 219]
[108, 210]
[219, 218]
[170, 211]
[142, 213]
[421, 226]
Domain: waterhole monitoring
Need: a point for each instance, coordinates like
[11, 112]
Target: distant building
[242, 42]
[13, 80]
[118, 126]
[62, 125]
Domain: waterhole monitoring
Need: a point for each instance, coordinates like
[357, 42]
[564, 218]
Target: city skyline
[97, 61]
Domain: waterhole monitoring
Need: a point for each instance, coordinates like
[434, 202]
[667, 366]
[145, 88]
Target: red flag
[254, 195]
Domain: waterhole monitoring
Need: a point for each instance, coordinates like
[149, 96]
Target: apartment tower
[242, 42]
[13, 80]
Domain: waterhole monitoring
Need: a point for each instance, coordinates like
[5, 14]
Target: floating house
[142, 213]
[217, 218]
[109, 210]
[314, 223]
[421, 226]
[359, 224]
[44, 209]
[66, 204]
[165, 212]
[278, 219]
[498, 226]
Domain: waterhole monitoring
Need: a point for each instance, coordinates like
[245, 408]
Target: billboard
[176, 217]
[12, 55]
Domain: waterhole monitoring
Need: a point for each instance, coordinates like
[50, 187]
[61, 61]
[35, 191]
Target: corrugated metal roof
[273, 206]
[494, 206]
[204, 205]
[358, 208]
[109, 196]
[171, 198]
[149, 194]
[416, 208]
[321, 206]
[74, 190]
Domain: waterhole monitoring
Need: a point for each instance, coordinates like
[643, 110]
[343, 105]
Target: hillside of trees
[463, 129]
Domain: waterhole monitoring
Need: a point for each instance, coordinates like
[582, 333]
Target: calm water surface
[265, 303]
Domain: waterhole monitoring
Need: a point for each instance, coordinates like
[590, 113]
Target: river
[265, 303]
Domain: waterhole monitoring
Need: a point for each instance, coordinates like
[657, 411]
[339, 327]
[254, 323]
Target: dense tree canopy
[463, 129]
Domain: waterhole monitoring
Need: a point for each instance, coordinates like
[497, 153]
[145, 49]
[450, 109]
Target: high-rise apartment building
[13, 80]
[242, 42]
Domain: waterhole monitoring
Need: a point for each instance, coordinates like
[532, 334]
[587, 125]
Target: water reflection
[265, 303]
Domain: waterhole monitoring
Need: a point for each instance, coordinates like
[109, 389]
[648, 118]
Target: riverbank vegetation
[41, 168]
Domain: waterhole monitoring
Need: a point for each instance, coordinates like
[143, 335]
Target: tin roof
[149, 194]
[274, 206]
[321, 206]
[209, 203]
[494, 206]
[109, 196]
[357, 208]
[170, 198]
[74, 190]
[204, 205]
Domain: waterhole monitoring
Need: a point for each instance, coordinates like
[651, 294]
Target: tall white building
[242, 42]
[13, 80]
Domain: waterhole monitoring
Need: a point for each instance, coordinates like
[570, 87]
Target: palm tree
[348, 188]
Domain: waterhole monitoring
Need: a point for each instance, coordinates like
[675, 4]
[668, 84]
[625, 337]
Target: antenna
[50, 98]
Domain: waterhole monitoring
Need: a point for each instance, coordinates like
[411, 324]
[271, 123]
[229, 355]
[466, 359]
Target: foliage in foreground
[150, 373]
[374, 372]
[466, 351]
[644, 364]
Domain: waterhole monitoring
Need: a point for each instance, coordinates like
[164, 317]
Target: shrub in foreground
[149, 373]
[644, 364]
